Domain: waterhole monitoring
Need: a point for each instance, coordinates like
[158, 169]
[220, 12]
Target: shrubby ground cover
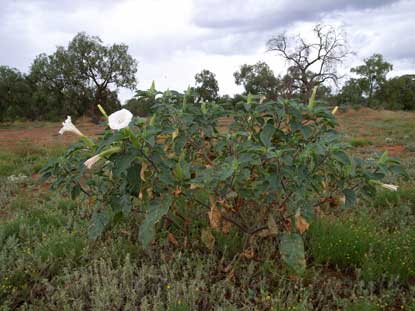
[358, 258]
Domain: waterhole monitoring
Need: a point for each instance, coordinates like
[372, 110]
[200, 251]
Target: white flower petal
[390, 187]
[91, 161]
[120, 119]
[68, 126]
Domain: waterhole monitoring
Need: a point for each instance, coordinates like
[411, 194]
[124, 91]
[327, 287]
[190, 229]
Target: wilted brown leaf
[272, 229]
[342, 200]
[215, 215]
[175, 134]
[231, 276]
[172, 239]
[195, 186]
[226, 226]
[301, 223]
[177, 192]
[272, 225]
[143, 171]
[248, 253]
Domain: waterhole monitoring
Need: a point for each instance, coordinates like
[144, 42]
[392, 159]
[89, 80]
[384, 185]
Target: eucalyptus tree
[101, 67]
[372, 74]
[206, 85]
[82, 75]
[257, 79]
[15, 94]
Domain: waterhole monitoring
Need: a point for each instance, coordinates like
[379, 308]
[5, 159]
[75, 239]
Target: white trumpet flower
[390, 187]
[68, 126]
[120, 119]
[91, 161]
[335, 110]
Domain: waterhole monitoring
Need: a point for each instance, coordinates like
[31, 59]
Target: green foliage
[373, 75]
[351, 93]
[114, 272]
[72, 80]
[292, 252]
[276, 160]
[378, 240]
[15, 94]
[206, 85]
[156, 211]
[258, 79]
[102, 67]
[144, 101]
[398, 93]
[37, 242]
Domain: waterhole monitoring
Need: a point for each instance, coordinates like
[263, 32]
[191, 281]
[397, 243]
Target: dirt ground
[43, 134]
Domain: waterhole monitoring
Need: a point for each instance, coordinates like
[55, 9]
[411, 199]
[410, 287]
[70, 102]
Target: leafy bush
[267, 174]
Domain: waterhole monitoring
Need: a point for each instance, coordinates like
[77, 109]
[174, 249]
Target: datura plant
[265, 168]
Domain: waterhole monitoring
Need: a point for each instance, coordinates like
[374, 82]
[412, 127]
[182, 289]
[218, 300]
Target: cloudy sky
[174, 39]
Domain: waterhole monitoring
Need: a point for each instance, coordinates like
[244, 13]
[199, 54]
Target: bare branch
[312, 63]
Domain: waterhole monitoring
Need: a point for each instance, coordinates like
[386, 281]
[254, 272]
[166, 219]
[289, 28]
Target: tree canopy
[372, 74]
[15, 93]
[206, 85]
[399, 92]
[257, 79]
[75, 79]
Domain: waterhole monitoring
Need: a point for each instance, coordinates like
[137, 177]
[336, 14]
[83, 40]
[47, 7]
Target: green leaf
[122, 162]
[121, 203]
[350, 196]
[306, 131]
[342, 157]
[249, 99]
[399, 170]
[266, 134]
[99, 222]
[75, 191]
[292, 252]
[157, 209]
[384, 158]
[179, 142]
[133, 179]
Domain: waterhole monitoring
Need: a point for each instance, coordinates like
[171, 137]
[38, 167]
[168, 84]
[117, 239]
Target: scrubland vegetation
[359, 258]
[267, 200]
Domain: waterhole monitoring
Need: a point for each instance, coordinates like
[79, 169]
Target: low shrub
[266, 175]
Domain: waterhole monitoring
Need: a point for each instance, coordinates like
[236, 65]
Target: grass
[360, 142]
[378, 127]
[359, 259]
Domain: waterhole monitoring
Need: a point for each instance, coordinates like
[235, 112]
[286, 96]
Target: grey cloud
[238, 15]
